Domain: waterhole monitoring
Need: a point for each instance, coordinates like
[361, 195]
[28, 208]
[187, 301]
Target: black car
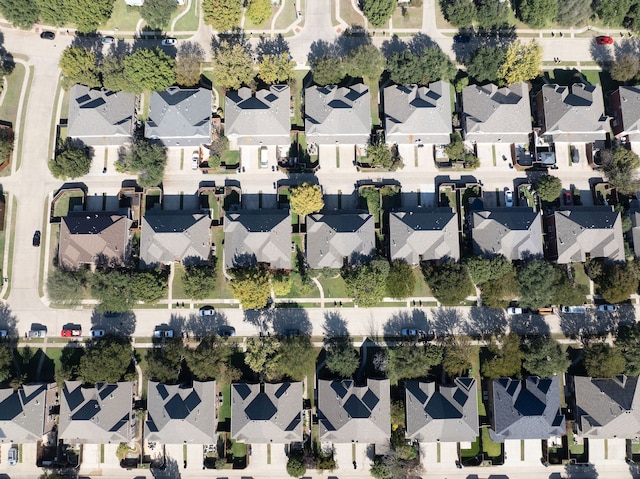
[48, 35]
[36, 238]
[460, 38]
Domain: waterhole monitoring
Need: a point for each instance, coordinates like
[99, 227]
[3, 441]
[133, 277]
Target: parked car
[461, 38]
[508, 198]
[575, 155]
[36, 238]
[97, 333]
[195, 160]
[108, 40]
[169, 42]
[226, 331]
[572, 309]
[291, 332]
[513, 310]
[412, 333]
[37, 333]
[607, 307]
[264, 157]
[568, 200]
[604, 40]
[207, 311]
[13, 456]
[46, 35]
[70, 332]
[163, 333]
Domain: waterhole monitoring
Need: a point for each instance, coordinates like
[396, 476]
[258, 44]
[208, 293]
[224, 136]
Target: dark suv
[48, 35]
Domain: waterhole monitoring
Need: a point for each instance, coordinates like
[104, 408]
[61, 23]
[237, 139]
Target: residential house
[260, 118]
[94, 238]
[442, 413]
[99, 414]
[266, 413]
[169, 236]
[181, 415]
[180, 117]
[417, 115]
[578, 233]
[496, 115]
[571, 114]
[336, 238]
[515, 233]
[22, 414]
[634, 214]
[348, 413]
[624, 104]
[101, 117]
[424, 234]
[337, 115]
[525, 409]
[257, 236]
[607, 408]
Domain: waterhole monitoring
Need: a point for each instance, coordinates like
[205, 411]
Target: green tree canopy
[626, 67]
[328, 71]
[275, 69]
[566, 291]
[223, 15]
[232, 66]
[367, 283]
[306, 199]
[411, 362]
[6, 140]
[538, 13]
[211, 359]
[457, 355]
[628, 341]
[164, 363]
[548, 188]
[500, 292]
[521, 62]
[535, 283]
[483, 64]
[150, 69]
[573, 12]
[620, 167]
[189, 65]
[450, 282]
[150, 286]
[89, 14]
[401, 281]
[66, 287]
[505, 360]
[603, 361]
[21, 13]
[460, 13]
[52, 12]
[113, 74]
[544, 357]
[429, 65]
[251, 286]
[113, 289]
[378, 12]
[493, 14]
[381, 155]
[157, 13]
[147, 160]
[260, 356]
[106, 361]
[620, 281]
[6, 361]
[365, 61]
[342, 359]
[612, 12]
[483, 270]
[258, 11]
[78, 65]
[199, 281]
[296, 467]
[72, 162]
[293, 360]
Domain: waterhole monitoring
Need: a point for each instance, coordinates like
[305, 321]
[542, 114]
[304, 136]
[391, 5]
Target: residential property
[336, 238]
[634, 213]
[417, 114]
[260, 118]
[169, 236]
[22, 414]
[525, 409]
[578, 233]
[624, 104]
[180, 117]
[442, 413]
[571, 114]
[266, 413]
[181, 415]
[348, 413]
[607, 408]
[515, 233]
[254, 237]
[496, 115]
[99, 414]
[337, 115]
[94, 239]
[101, 117]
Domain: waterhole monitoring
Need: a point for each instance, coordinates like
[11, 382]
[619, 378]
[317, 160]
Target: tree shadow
[206, 325]
[626, 46]
[277, 321]
[177, 323]
[485, 322]
[190, 48]
[335, 326]
[580, 470]
[420, 42]
[322, 48]
[170, 470]
[393, 46]
[529, 325]
[121, 324]
[272, 46]
[231, 38]
[601, 54]
[594, 323]
[414, 319]
[446, 321]
[8, 320]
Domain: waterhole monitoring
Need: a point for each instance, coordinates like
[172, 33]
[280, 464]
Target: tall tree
[113, 289]
[113, 73]
[6, 360]
[505, 360]
[603, 361]
[72, 162]
[66, 287]
[232, 66]
[620, 281]
[538, 13]
[53, 12]
[620, 167]
[21, 13]
[544, 357]
[449, 282]
[460, 13]
[625, 68]
[548, 187]
[367, 283]
[628, 341]
[78, 65]
[157, 13]
[573, 12]
[521, 63]
[457, 355]
[150, 69]
[365, 61]
[199, 281]
[378, 12]
[429, 65]
[147, 160]
[483, 270]
[294, 358]
[212, 360]
[258, 11]
[306, 199]
[411, 362]
[89, 14]
[401, 281]
[164, 363]
[106, 361]
[493, 14]
[483, 64]
[328, 70]
[150, 286]
[535, 282]
[612, 12]
[275, 69]
[223, 15]
[189, 64]
[342, 359]
[260, 354]
[251, 286]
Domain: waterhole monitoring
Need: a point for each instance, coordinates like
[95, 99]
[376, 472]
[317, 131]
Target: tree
[89, 14]
[164, 363]
[565, 291]
[620, 166]
[53, 12]
[6, 141]
[493, 14]
[450, 282]
[379, 470]
[365, 61]
[484, 63]
[251, 286]
[506, 359]
[378, 12]
[157, 13]
[500, 292]
[189, 65]
[306, 199]
[427, 66]
[150, 286]
[281, 283]
[544, 357]
[199, 281]
[538, 13]
[628, 341]
[342, 359]
[573, 12]
[72, 162]
[232, 66]
[412, 361]
[113, 289]
[483, 270]
[49, 475]
[78, 65]
[296, 467]
[612, 12]
[258, 11]
[548, 188]
[223, 15]
[367, 283]
[145, 159]
[521, 62]
[150, 69]
[457, 355]
[114, 77]
[212, 360]
[21, 13]
[106, 361]
[401, 281]
[260, 354]
[620, 281]
[460, 13]
[274, 69]
[625, 68]
[603, 361]
[535, 283]
[66, 287]
[328, 71]
[293, 360]
[380, 155]
[6, 361]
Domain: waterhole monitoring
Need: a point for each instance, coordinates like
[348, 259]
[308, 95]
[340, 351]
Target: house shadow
[170, 470]
[116, 324]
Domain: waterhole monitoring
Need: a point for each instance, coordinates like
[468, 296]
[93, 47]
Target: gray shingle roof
[22, 413]
[514, 233]
[260, 118]
[100, 117]
[100, 414]
[180, 117]
[88, 238]
[574, 113]
[635, 230]
[177, 415]
[413, 113]
[423, 235]
[596, 230]
[337, 115]
[493, 115]
[608, 408]
[334, 236]
[252, 237]
[266, 413]
[169, 236]
[628, 120]
[348, 413]
[528, 409]
[442, 413]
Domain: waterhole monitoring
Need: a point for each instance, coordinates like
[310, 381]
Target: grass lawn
[575, 449]
[288, 15]
[249, 25]
[222, 290]
[299, 76]
[238, 449]
[413, 19]
[9, 107]
[333, 287]
[55, 354]
[188, 23]
[311, 375]
[421, 289]
[473, 452]
[300, 290]
[231, 157]
[491, 449]
[224, 411]
[66, 203]
[579, 276]
[123, 17]
[349, 15]
[178, 285]
[374, 93]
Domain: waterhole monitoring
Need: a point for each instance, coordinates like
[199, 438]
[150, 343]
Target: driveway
[532, 451]
[327, 156]
[194, 457]
[512, 452]
[597, 452]
[90, 456]
[344, 456]
[616, 449]
[249, 158]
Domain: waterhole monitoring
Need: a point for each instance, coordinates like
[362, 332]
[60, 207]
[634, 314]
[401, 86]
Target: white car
[108, 40]
[264, 157]
[169, 42]
[195, 160]
[207, 311]
[514, 310]
[163, 333]
[607, 307]
[13, 456]
[508, 198]
[97, 333]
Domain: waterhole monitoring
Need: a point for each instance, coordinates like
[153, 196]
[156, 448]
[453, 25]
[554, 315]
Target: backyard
[68, 201]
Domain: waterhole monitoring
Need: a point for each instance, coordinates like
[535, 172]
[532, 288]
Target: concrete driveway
[512, 452]
[344, 456]
[249, 158]
[327, 155]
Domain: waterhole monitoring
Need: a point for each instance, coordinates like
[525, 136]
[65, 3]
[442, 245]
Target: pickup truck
[572, 309]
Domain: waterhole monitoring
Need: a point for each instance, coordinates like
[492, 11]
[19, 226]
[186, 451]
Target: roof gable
[515, 233]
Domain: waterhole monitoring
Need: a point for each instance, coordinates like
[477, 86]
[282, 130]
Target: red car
[604, 40]
[568, 201]
[67, 333]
